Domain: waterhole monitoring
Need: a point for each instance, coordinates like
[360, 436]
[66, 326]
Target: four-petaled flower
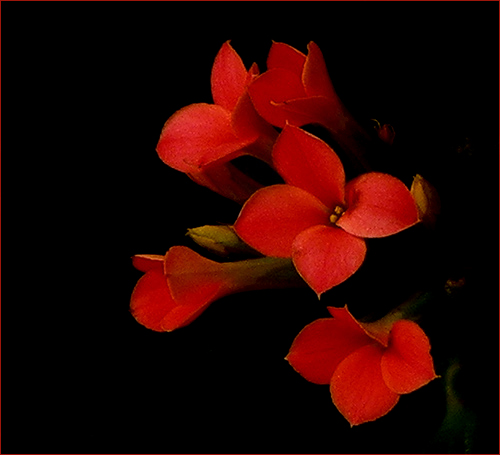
[201, 139]
[316, 218]
[368, 366]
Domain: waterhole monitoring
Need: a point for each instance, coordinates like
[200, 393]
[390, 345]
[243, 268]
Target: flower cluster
[311, 230]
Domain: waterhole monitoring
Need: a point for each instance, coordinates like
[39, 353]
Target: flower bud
[221, 240]
[427, 200]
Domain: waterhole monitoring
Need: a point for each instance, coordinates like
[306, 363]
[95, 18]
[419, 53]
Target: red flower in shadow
[368, 366]
[179, 286]
[316, 218]
[201, 139]
[297, 89]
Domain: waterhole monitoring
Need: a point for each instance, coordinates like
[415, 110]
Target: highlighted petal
[147, 262]
[407, 364]
[378, 205]
[306, 161]
[325, 256]
[197, 135]
[151, 301]
[315, 77]
[322, 345]
[358, 389]
[228, 78]
[272, 218]
[286, 57]
[271, 89]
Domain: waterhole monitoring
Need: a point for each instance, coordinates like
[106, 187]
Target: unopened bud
[385, 132]
[221, 240]
[427, 200]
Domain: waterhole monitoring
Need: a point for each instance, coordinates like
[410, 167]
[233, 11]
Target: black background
[86, 89]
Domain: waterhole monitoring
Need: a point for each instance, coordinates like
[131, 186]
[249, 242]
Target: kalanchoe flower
[179, 286]
[368, 366]
[201, 139]
[297, 89]
[316, 218]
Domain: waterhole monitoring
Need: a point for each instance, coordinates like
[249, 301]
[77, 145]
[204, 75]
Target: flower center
[338, 211]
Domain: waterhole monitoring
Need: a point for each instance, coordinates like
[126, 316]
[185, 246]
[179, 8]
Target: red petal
[248, 124]
[147, 262]
[325, 256]
[315, 77]
[271, 89]
[378, 205]
[196, 135]
[193, 279]
[358, 389]
[272, 218]
[286, 57]
[228, 78]
[322, 345]
[151, 301]
[306, 161]
[407, 364]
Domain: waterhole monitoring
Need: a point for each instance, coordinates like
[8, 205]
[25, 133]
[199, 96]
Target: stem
[262, 273]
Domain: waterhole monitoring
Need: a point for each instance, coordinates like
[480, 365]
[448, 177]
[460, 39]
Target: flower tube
[178, 287]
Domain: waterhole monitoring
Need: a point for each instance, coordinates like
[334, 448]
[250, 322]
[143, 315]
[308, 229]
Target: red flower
[179, 286]
[201, 139]
[368, 366]
[297, 89]
[317, 219]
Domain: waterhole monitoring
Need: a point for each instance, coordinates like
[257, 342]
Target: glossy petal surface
[358, 389]
[197, 135]
[305, 161]
[322, 345]
[325, 256]
[228, 78]
[407, 364]
[378, 205]
[272, 218]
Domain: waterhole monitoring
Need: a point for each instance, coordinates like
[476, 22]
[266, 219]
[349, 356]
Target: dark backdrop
[86, 89]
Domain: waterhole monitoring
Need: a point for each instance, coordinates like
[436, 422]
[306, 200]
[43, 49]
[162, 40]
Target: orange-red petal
[273, 216]
[151, 301]
[228, 78]
[306, 161]
[407, 363]
[378, 205]
[326, 256]
[315, 76]
[197, 135]
[322, 345]
[271, 89]
[358, 389]
[284, 56]
[146, 262]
